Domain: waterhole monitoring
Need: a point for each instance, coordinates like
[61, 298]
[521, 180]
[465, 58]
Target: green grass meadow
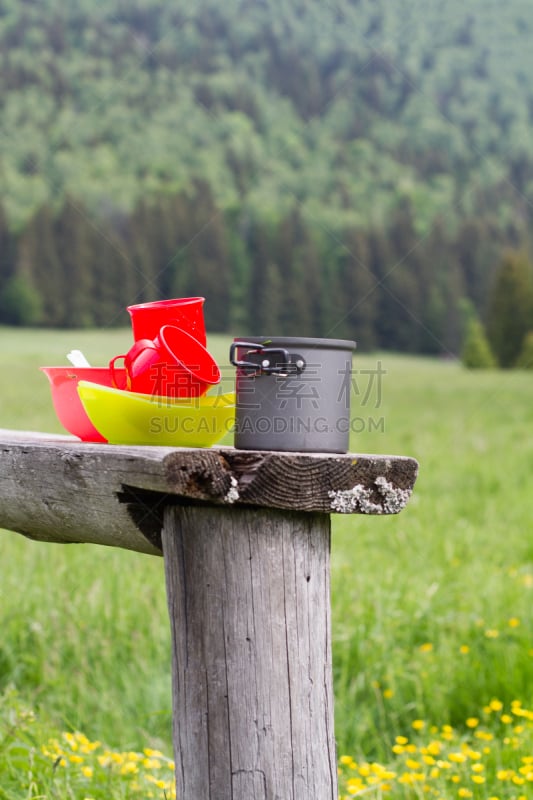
[432, 609]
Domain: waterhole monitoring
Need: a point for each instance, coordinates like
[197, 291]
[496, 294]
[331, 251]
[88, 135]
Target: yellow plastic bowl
[124, 417]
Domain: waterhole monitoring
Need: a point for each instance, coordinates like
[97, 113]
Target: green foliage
[476, 352]
[525, 359]
[511, 307]
[269, 102]
[20, 304]
[376, 154]
[38, 761]
[451, 571]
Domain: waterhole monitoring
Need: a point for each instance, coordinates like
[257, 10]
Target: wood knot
[205, 476]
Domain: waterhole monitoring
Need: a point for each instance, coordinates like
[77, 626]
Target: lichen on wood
[381, 498]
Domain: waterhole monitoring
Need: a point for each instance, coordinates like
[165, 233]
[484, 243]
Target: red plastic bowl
[67, 404]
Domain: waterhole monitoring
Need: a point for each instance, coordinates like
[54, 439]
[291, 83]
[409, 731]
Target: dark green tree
[114, 279]
[525, 359]
[142, 238]
[262, 274]
[75, 232]
[206, 257]
[20, 304]
[354, 289]
[38, 257]
[399, 269]
[298, 260]
[272, 299]
[240, 271]
[6, 248]
[511, 307]
[476, 352]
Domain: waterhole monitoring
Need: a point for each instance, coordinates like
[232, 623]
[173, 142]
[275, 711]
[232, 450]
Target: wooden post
[248, 594]
[246, 538]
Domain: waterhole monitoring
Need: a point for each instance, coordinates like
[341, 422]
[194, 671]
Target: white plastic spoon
[77, 359]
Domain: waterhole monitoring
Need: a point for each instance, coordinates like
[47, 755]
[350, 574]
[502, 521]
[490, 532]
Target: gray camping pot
[292, 394]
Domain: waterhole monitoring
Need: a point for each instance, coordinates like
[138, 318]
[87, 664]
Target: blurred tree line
[385, 287]
[355, 170]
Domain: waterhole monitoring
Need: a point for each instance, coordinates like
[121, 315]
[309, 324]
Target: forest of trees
[357, 168]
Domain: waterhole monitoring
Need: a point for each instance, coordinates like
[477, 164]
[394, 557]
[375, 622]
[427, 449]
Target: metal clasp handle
[264, 362]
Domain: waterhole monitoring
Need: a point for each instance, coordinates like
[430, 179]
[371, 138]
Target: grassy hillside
[377, 154]
[349, 106]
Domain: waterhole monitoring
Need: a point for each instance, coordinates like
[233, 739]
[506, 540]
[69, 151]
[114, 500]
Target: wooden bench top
[58, 489]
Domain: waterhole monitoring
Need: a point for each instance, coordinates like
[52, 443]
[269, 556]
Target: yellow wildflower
[447, 732]
[152, 753]
[151, 763]
[129, 768]
[457, 758]
[504, 774]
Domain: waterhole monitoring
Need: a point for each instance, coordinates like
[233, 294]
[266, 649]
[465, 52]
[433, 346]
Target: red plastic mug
[172, 364]
[186, 313]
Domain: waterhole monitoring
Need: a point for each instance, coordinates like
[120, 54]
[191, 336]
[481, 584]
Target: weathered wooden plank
[248, 595]
[58, 489]
[53, 490]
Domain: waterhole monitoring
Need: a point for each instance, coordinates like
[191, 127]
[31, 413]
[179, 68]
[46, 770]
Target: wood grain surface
[58, 489]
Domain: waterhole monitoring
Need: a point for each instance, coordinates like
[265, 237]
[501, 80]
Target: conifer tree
[510, 308]
[113, 280]
[19, 302]
[6, 248]
[38, 257]
[525, 359]
[297, 257]
[207, 258]
[75, 233]
[476, 352]
[260, 255]
[399, 268]
[142, 242]
[240, 273]
[357, 290]
[272, 299]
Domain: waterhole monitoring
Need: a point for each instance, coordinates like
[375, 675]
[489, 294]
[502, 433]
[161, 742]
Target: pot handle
[265, 363]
